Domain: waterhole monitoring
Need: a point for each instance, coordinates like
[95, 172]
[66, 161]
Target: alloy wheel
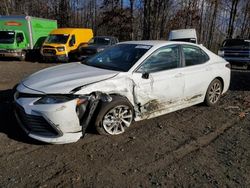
[214, 92]
[117, 119]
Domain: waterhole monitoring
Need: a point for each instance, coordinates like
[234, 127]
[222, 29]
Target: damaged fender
[93, 102]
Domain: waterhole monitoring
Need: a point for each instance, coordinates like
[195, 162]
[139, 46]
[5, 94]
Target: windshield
[100, 41]
[57, 39]
[120, 57]
[7, 37]
[236, 42]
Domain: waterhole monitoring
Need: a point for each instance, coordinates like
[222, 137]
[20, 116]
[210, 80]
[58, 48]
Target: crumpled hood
[65, 78]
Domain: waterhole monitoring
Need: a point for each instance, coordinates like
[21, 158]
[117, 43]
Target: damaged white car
[128, 82]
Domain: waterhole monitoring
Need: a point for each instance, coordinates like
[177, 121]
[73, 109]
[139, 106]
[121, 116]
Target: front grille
[35, 124]
[237, 53]
[47, 46]
[49, 51]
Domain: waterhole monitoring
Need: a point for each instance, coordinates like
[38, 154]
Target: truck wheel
[114, 117]
[213, 93]
[22, 56]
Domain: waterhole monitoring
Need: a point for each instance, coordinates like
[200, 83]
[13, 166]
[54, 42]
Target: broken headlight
[53, 99]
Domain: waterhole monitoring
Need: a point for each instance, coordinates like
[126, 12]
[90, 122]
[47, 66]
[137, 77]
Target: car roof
[156, 43]
[69, 30]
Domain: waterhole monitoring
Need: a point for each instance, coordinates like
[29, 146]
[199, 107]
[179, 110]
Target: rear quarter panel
[219, 69]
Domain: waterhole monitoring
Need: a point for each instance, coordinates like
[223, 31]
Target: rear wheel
[213, 92]
[114, 117]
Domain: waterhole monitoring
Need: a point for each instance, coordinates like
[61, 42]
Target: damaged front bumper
[60, 123]
[51, 123]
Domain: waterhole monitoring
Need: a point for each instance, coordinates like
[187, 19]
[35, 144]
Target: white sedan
[128, 82]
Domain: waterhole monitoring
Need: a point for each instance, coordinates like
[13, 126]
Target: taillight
[228, 65]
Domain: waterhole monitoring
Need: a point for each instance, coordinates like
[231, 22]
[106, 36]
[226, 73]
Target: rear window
[194, 55]
[100, 41]
[236, 42]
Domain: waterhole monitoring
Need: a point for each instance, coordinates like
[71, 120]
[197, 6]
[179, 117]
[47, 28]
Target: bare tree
[233, 12]
[143, 19]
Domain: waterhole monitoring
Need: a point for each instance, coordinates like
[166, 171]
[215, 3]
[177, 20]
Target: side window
[194, 55]
[164, 58]
[72, 40]
[19, 37]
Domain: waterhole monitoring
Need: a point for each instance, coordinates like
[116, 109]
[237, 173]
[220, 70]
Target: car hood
[65, 78]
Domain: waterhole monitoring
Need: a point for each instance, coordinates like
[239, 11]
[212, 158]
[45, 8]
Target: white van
[185, 35]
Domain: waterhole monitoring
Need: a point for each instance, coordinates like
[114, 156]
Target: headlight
[221, 53]
[60, 49]
[61, 99]
[53, 100]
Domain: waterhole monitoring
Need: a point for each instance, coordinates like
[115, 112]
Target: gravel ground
[195, 147]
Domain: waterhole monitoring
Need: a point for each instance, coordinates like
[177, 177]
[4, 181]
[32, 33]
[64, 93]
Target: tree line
[214, 20]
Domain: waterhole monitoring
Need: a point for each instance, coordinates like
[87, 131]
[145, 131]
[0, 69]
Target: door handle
[178, 75]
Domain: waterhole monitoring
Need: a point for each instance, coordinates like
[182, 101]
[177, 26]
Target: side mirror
[19, 39]
[71, 43]
[145, 75]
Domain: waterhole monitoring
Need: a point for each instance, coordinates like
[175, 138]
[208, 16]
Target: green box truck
[20, 35]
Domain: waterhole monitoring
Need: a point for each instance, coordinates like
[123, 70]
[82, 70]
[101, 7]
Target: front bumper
[61, 58]
[52, 123]
[11, 54]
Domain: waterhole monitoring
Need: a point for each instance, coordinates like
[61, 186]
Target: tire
[23, 56]
[213, 93]
[75, 56]
[114, 117]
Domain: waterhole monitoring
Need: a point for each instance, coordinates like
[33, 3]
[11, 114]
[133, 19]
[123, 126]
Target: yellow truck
[64, 41]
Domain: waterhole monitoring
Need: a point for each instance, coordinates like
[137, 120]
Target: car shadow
[8, 122]
[240, 80]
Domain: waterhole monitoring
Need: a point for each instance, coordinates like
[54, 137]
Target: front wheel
[114, 117]
[213, 93]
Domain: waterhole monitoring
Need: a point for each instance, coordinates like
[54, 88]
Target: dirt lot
[194, 147]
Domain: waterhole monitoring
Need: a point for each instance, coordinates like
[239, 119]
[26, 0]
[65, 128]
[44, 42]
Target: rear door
[196, 70]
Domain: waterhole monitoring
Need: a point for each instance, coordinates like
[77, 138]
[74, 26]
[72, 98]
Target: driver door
[159, 83]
